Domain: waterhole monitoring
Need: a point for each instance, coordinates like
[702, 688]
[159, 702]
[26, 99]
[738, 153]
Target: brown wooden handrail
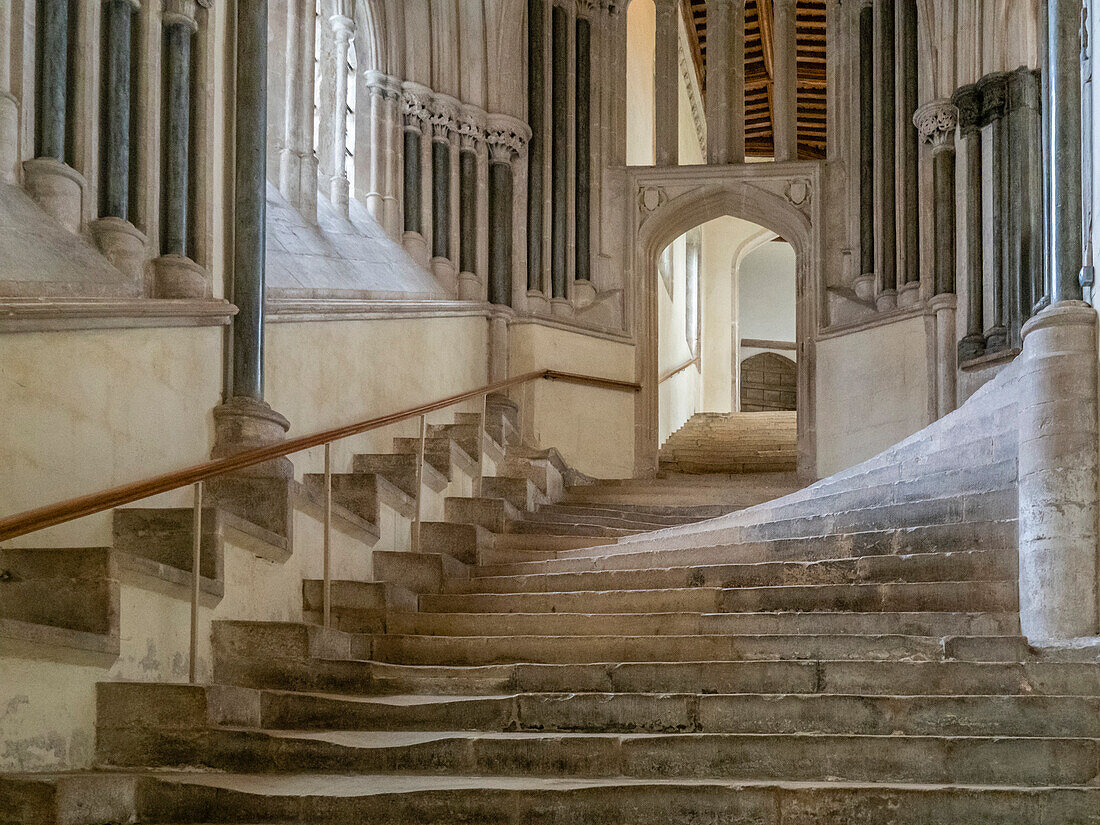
[678, 370]
[51, 515]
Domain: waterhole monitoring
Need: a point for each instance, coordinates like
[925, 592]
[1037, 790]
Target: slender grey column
[560, 160]
[441, 192]
[115, 188]
[937, 121]
[500, 221]
[412, 184]
[175, 173]
[52, 41]
[1064, 255]
[992, 88]
[250, 200]
[968, 101]
[536, 153]
[910, 213]
[887, 140]
[718, 97]
[866, 141]
[290, 163]
[1033, 136]
[785, 70]
[736, 97]
[583, 232]
[467, 206]
[666, 83]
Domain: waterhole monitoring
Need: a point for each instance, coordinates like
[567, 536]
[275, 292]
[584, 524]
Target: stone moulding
[49, 315]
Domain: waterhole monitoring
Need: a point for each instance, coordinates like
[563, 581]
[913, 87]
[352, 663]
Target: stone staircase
[757, 442]
[847, 654]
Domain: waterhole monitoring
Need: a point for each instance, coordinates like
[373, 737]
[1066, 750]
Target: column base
[1058, 572]
[584, 293]
[122, 244]
[996, 339]
[443, 270]
[971, 347]
[57, 188]
[176, 276]
[392, 222]
[909, 294]
[864, 287]
[561, 307]
[376, 207]
[339, 194]
[469, 287]
[537, 303]
[9, 139]
[417, 248]
[943, 306]
[243, 423]
[498, 344]
[886, 300]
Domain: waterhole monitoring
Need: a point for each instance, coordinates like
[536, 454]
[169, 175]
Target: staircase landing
[729, 443]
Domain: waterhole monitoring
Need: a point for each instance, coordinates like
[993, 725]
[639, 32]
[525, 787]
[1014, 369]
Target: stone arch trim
[784, 198]
[372, 48]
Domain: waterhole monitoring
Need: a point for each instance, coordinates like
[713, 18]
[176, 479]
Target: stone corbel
[936, 123]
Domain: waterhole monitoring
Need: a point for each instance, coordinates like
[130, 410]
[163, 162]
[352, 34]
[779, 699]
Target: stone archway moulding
[784, 198]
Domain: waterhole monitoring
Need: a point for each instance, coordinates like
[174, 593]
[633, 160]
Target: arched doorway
[781, 198]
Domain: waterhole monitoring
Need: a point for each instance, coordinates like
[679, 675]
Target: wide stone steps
[341, 799]
[804, 757]
[686, 624]
[968, 715]
[605, 518]
[921, 567]
[891, 597]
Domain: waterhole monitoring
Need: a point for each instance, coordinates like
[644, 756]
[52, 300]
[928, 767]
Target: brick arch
[769, 383]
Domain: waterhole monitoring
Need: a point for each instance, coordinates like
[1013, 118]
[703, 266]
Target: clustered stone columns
[967, 101]
[865, 283]
[49, 179]
[343, 28]
[785, 71]
[908, 209]
[936, 122]
[726, 81]
[119, 240]
[885, 156]
[9, 105]
[666, 84]
[1059, 589]
[245, 420]
[177, 275]
[416, 115]
[298, 161]
[381, 144]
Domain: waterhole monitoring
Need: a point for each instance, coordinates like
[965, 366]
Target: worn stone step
[922, 567]
[889, 597]
[791, 757]
[441, 452]
[339, 799]
[628, 521]
[417, 572]
[494, 514]
[969, 715]
[679, 624]
[523, 526]
[520, 492]
[478, 650]
[400, 470]
[696, 512]
[464, 542]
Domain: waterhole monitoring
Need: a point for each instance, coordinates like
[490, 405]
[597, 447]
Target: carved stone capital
[994, 89]
[343, 27]
[507, 136]
[968, 100]
[936, 122]
[444, 117]
[416, 104]
[180, 13]
[471, 127]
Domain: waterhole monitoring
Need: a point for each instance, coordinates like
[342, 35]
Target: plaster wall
[680, 396]
[592, 428]
[766, 293]
[641, 28]
[872, 391]
[721, 238]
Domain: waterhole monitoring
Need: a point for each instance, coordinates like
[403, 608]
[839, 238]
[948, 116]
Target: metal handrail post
[418, 514]
[196, 559]
[326, 588]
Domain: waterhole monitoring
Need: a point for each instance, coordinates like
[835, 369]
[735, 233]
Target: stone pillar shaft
[536, 156]
[559, 252]
[250, 201]
[115, 185]
[1064, 253]
[441, 196]
[719, 94]
[909, 214]
[666, 84]
[411, 178]
[886, 162]
[291, 161]
[736, 91]
[500, 235]
[992, 89]
[52, 41]
[866, 141]
[968, 101]
[937, 121]
[467, 185]
[177, 138]
[343, 28]
[583, 232]
[785, 70]
[377, 184]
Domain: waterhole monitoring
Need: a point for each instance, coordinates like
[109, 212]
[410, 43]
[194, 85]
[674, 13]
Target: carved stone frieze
[936, 122]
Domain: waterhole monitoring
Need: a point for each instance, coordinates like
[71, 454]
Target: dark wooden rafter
[810, 15]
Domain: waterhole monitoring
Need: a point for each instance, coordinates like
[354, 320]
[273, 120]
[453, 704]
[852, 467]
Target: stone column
[718, 81]
[9, 106]
[343, 27]
[500, 221]
[785, 71]
[56, 186]
[415, 114]
[245, 420]
[583, 120]
[536, 155]
[290, 162]
[1058, 473]
[177, 275]
[885, 156]
[666, 84]
[1064, 250]
[443, 125]
[968, 101]
[559, 251]
[118, 239]
[308, 160]
[471, 132]
[865, 284]
[937, 121]
[393, 132]
[375, 200]
[908, 223]
[992, 88]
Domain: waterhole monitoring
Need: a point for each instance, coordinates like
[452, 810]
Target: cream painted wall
[680, 397]
[592, 428]
[641, 27]
[853, 423]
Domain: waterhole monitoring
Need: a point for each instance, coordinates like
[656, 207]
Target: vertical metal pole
[196, 557]
[481, 447]
[326, 594]
[419, 484]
